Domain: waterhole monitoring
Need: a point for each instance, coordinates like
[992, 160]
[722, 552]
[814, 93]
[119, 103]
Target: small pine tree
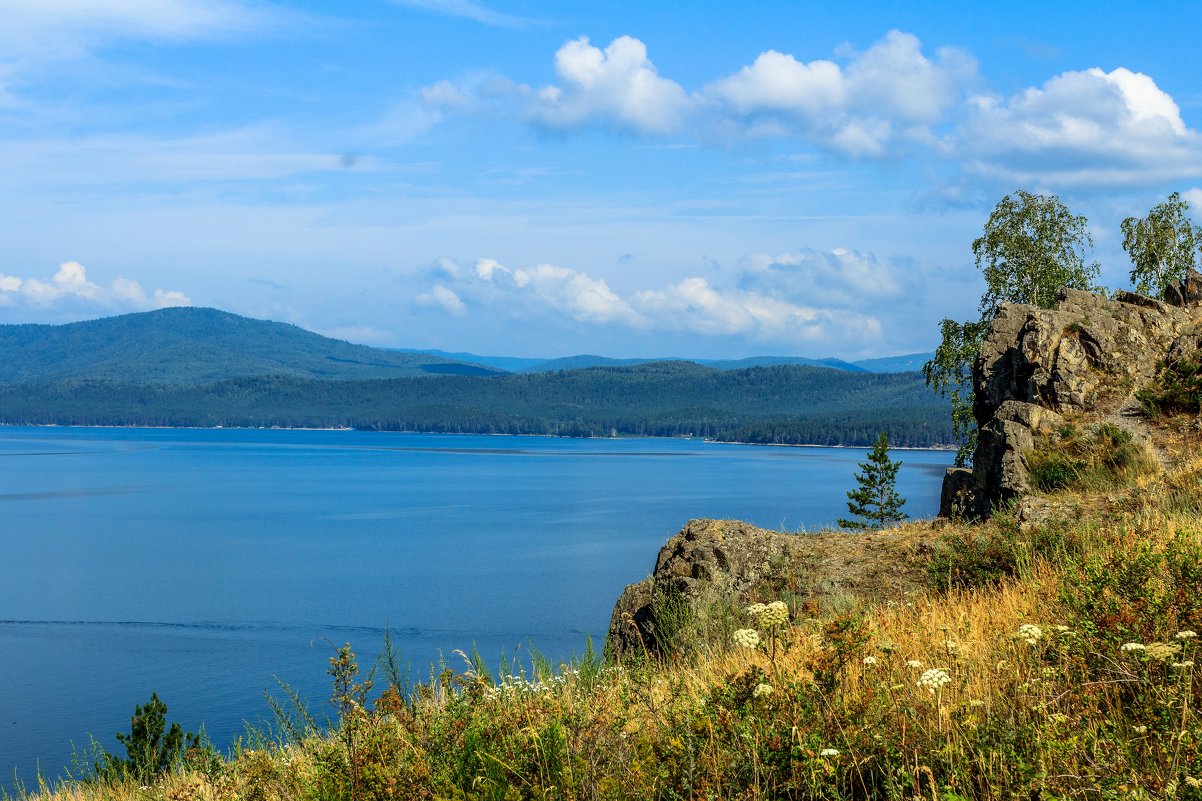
[151, 747]
[876, 500]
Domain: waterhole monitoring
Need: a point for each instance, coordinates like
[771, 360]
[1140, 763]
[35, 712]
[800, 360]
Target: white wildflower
[913, 664]
[951, 645]
[828, 752]
[746, 638]
[761, 690]
[774, 615]
[1186, 665]
[1133, 647]
[1029, 633]
[1163, 651]
[870, 660]
[1187, 634]
[1140, 729]
[934, 679]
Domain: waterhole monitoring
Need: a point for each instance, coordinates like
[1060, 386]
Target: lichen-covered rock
[1086, 355]
[712, 560]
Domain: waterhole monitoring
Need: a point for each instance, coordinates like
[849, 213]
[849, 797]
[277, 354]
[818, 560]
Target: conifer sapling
[876, 500]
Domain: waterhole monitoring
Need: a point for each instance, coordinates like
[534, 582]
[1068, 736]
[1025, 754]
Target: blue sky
[543, 179]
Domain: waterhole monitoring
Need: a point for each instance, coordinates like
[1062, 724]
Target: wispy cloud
[468, 9]
[248, 153]
[46, 29]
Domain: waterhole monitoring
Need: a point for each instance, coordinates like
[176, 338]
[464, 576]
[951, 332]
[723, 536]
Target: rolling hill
[189, 346]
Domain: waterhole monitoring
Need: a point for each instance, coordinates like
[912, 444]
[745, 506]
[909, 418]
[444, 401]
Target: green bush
[152, 748]
[1177, 390]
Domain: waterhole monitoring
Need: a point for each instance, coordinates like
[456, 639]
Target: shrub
[1177, 390]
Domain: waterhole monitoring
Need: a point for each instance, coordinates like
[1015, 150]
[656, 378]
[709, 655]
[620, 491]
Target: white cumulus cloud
[441, 298]
[1085, 128]
[70, 285]
[890, 90]
[618, 85]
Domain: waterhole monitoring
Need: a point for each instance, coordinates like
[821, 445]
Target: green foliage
[981, 556]
[151, 747]
[1101, 458]
[1176, 390]
[876, 500]
[1136, 589]
[1163, 246]
[1031, 248]
[950, 374]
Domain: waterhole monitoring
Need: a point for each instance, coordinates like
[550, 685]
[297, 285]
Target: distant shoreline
[467, 434]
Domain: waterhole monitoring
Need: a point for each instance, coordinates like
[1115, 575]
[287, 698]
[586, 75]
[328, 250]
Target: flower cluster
[1157, 651]
[761, 690]
[1029, 633]
[1188, 634]
[934, 679]
[1163, 651]
[828, 752]
[870, 660]
[769, 616]
[913, 664]
[746, 638]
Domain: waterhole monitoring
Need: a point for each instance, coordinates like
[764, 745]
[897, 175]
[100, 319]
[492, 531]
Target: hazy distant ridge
[514, 364]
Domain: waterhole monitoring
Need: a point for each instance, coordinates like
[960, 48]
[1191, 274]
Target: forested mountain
[190, 346]
[783, 404]
[203, 367]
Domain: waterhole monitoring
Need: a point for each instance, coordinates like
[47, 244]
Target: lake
[203, 564]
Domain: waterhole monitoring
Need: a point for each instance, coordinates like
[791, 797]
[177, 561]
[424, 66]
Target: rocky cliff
[1040, 368]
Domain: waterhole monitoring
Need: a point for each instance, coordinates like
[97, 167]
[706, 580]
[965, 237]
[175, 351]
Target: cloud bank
[70, 287]
[766, 305]
[1086, 128]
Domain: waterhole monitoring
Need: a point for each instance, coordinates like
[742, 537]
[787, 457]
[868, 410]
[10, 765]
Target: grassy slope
[1064, 712]
[193, 346]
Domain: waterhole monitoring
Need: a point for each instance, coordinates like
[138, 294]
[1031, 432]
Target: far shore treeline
[788, 404]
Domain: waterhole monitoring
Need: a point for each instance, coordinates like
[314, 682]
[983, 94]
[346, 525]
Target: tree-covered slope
[785, 404]
[188, 346]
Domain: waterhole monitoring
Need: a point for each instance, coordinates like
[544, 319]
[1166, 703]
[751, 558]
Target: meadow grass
[1051, 660]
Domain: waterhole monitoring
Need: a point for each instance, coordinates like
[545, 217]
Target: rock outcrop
[1087, 355]
[732, 561]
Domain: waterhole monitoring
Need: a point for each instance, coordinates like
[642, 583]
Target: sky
[512, 177]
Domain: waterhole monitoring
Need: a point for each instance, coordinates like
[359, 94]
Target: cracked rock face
[1088, 354]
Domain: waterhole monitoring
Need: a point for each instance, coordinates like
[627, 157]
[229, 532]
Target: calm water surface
[201, 564]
